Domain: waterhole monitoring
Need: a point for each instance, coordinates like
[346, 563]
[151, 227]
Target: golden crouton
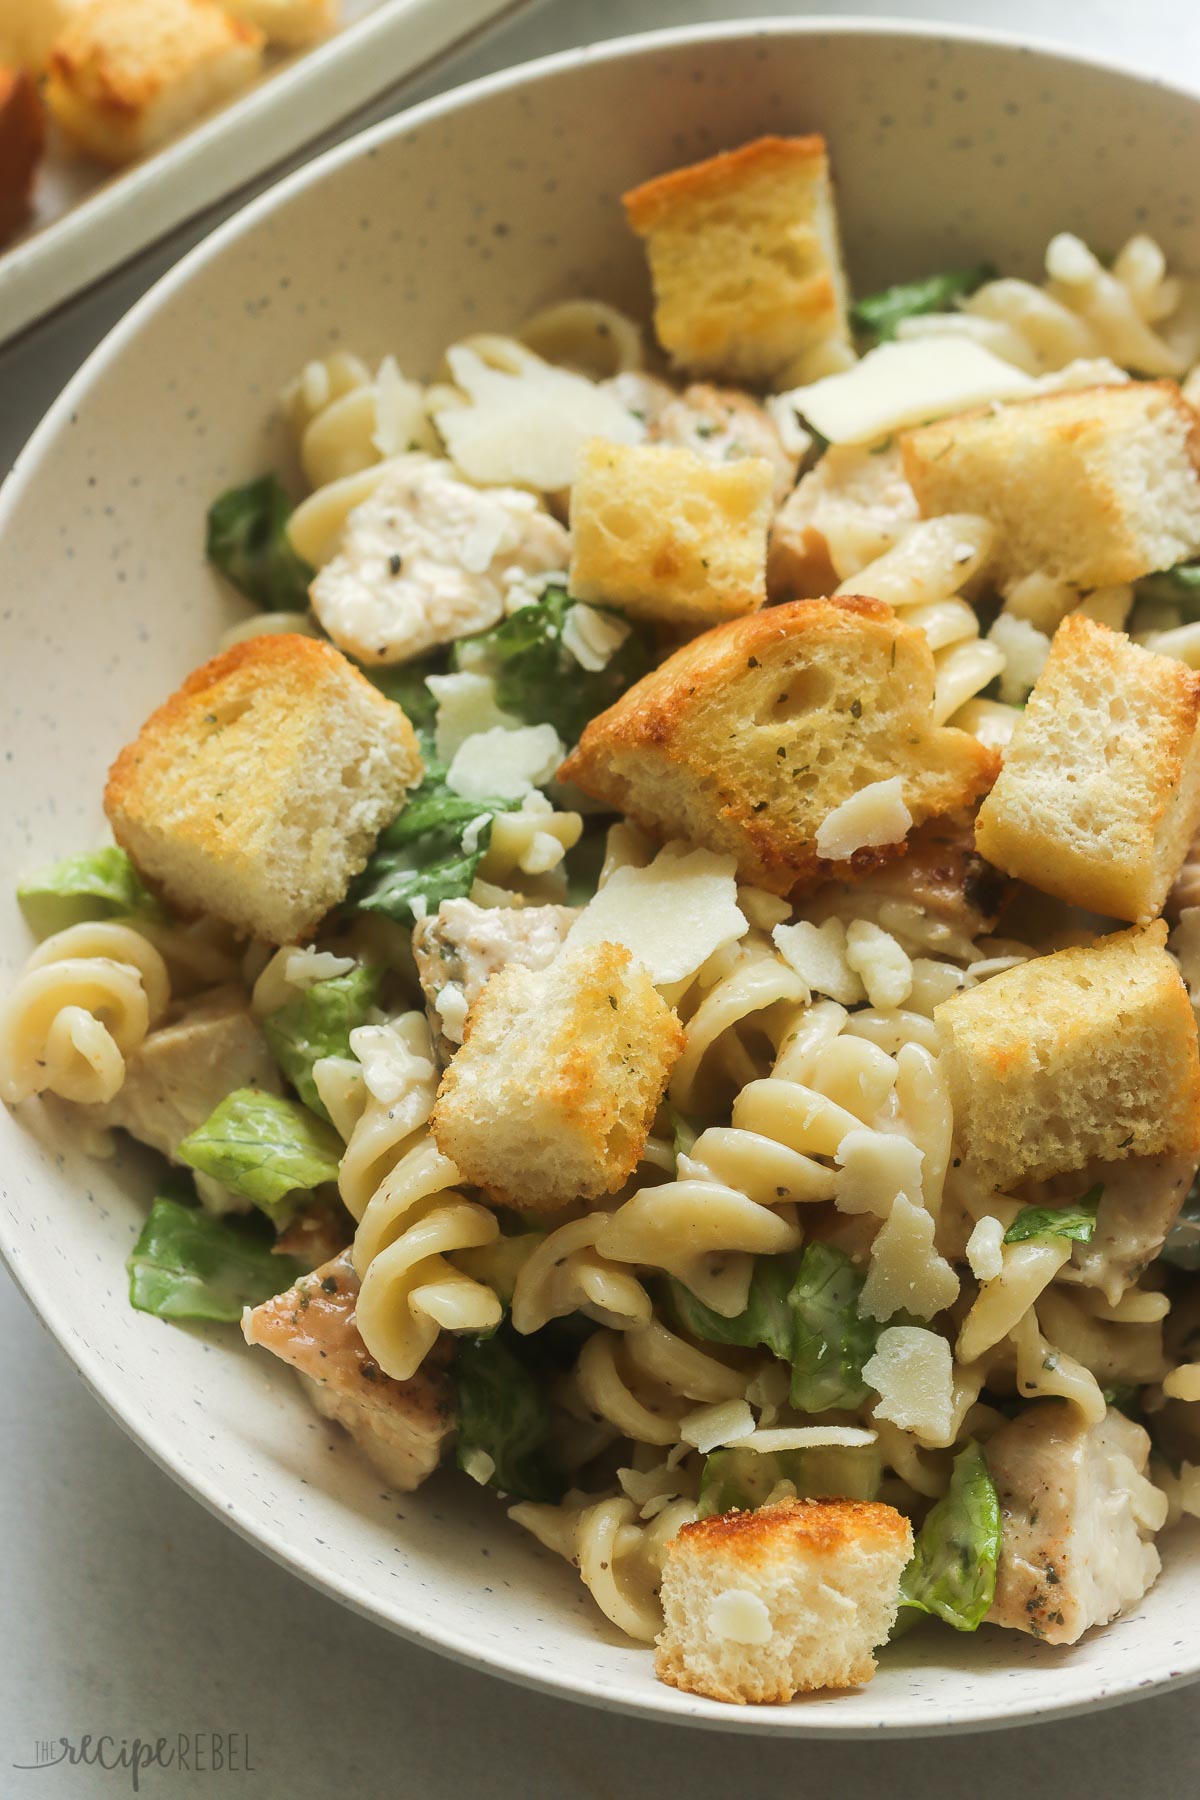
[750, 737]
[287, 22]
[29, 27]
[257, 791]
[743, 250]
[761, 1606]
[1099, 796]
[126, 75]
[664, 535]
[1091, 487]
[1089, 1052]
[22, 139]
[560, 1075]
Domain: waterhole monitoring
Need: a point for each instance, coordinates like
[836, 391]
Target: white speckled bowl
[464, 214]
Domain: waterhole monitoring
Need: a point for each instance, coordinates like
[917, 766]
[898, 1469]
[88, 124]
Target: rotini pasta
[87, 998]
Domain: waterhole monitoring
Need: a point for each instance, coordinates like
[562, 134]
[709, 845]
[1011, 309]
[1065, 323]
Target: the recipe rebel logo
[181, 1752]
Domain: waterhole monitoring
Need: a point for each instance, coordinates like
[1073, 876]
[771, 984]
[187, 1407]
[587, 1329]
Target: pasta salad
[662, 960]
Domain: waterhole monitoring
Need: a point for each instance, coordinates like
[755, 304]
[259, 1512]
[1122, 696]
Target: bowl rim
[106, 1384]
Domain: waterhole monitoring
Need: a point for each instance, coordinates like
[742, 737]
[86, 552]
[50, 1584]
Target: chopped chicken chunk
[402, 1427]
[938, 898]
[1077, 1513]
[180, 1073]
[458, 949]
[720, 425]
[317, 1234]
[1140, 1203]
[428, 558]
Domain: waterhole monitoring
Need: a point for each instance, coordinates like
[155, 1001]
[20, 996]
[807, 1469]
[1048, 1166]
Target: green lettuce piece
[187, 1265]
[1182, 1247]
[503, 1417]
[538, 680]
[1077, 1221]
[406, 684]
[318, 1023]
[102, 884]
[766, 1318]
[831, 1342]
[264, 1148]
[744, 1478]
[877, 315]
[248, 542]
[1179, 586]
[420, 856]
[953, 1569]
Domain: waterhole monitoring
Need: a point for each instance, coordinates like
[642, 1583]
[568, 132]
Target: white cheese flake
[305, 968]
[912, 1371]
[885, 968]
[672, 915]
[985, 1250]
[876, 1167]
[526, 422]
[708, 1427]
[592, 637]
[396, 1058]
[1024, 649]
[901, 384]
[739, 1617]
[466, 705]
[817, 953]
[503, 764]
[875, 815]
[906, 1272]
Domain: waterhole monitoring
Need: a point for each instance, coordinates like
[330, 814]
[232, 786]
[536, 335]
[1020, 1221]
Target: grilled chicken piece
[1077, 1514]
[180, 1073]
[721, 425]
[460, 947]
[938, 898]
[402, 1427]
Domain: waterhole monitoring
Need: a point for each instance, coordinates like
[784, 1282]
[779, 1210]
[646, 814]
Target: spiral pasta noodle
[645, 1381]
[86, 999]
[619, 1557]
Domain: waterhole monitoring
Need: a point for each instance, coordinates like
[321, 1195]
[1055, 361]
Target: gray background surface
[128, 1610]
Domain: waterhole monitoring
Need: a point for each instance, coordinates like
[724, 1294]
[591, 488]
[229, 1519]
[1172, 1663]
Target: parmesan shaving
[708, 1427]
[672, 915]
[912, 1371]
[739, 1617]
[817, 953]
[904, 384]
[875, 815]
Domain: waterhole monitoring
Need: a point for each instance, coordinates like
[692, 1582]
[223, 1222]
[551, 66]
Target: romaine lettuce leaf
[101, 884]
[1077, 1221]
[1179, 586]
[831, 1342]
[419, 860]
[503, 1419]
[876, 316]
[744, 1478]
[318, 1023]
[766, 1318]
[188, 1265]
[264, 1148]
[953, 1569]
[538, 680]
[248, 542]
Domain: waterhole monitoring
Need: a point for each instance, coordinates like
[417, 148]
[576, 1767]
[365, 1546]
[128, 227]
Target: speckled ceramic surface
[466, 214]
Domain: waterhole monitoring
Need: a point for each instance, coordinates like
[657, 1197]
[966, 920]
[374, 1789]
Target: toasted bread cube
[744, 256]
[257, 791]
[22, 140]
[125, 76]
[403, 1428]
[1088, 1052]
[291, 23]
[748, 738]
[1091, 487]
[553, 1093]
[762, 1606]
[664, 535]
[1099, 796]
[29, 27]
[1074, 1501]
